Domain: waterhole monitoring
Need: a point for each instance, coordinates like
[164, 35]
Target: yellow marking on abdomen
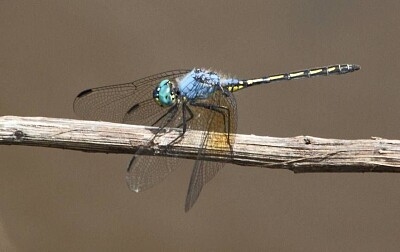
[276, 77]
[236, 88]
[250, 82]
[331, 69]
[315, 71]
[294, 75]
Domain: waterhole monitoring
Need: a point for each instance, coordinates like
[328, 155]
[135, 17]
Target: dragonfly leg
[190, 116]
[183, 124]
[218, 109]
[170, 111]
[169, 115]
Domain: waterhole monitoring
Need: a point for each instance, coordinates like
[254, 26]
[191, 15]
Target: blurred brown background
[57, 200]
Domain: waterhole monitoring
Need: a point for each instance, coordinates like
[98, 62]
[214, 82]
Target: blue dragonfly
[197, 99]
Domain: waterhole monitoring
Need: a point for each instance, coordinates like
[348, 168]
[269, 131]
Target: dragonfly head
[164, 94]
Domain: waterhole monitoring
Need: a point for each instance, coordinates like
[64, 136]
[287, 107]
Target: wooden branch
[299, 154]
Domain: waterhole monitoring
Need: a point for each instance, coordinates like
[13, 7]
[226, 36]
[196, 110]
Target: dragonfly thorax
[164, 94]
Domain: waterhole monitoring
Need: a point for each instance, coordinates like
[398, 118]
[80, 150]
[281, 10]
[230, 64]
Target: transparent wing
[146, 171]
[133, 103]
[219, 123]
[128, 102]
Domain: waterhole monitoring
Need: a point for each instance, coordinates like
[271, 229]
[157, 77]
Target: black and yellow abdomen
[307, 73]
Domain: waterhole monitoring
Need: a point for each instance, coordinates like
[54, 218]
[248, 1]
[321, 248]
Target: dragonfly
[195, 99]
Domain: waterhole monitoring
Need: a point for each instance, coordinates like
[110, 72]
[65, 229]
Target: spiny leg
[183, 124]
[190, 116]
[171, 113]
[226, 93]
[218, 109]
[164, 115]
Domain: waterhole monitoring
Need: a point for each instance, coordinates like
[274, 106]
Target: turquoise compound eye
[163, 94]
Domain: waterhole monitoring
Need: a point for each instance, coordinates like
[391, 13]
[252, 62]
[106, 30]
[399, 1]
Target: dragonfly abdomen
[306, 73]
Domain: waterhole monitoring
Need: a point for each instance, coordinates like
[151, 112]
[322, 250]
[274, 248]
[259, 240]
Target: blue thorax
[199, 84]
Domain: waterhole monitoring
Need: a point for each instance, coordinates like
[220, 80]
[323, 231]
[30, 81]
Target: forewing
[114, 103]
[133, 103]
